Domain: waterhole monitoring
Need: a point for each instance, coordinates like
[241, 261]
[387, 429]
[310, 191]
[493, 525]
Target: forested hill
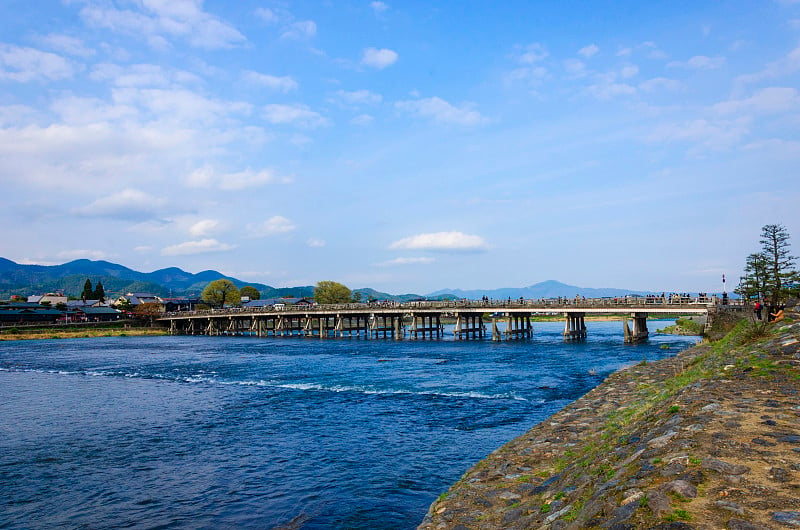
[24, 280]
[70, 277]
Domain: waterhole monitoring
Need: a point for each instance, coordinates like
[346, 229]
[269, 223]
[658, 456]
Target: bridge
[424, 319]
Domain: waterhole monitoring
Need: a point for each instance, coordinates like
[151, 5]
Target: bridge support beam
[386, 326]
[426, 325]
[518, 326]
[639, 333]
[469, 326]
[575, 326]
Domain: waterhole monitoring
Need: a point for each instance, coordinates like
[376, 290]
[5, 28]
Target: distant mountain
[546, 289]
[117, 279]
[69, 277]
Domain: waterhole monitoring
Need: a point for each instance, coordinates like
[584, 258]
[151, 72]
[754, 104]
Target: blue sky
[406, 146]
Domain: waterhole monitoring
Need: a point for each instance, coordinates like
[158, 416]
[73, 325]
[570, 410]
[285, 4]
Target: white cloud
[158, 20]
[358, 97]
[441, 111]
[532, 53]
[204, 228]
[296, 114]
[28, 64]
[378, 7]
[660, 83]
[272, 226]
[301, 30]
[206, 176]
[624, 52]
[141, 75]
[699, 62]
[67, 44]
[706, 135]
[196, 247]
[766, 101]
[129, 204]
[441, 241]
[82, 254]
[362, 120]
[611, 90]
[316, 243]
[629, 71]
[589, 51]
[281, 84]
[406, 261]
[267, 15]
[575, 68]
[247, 179]
[378, 58]
[779, 68]
[534, 76]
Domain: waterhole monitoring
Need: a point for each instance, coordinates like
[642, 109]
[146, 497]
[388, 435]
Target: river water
[224, 432]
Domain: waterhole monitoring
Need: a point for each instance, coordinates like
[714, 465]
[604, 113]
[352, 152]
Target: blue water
[211, 432]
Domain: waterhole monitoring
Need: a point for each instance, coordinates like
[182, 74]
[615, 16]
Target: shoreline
[703, 439]
[89, 332]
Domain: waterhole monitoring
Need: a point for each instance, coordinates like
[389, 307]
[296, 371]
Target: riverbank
[709, 438]
[101, 330]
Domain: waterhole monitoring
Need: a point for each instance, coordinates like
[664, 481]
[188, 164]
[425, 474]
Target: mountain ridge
[21, 279]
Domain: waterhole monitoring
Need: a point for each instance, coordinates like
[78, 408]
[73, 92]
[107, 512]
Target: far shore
[72, 333]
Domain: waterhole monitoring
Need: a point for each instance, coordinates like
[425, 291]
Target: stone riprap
[709, 438]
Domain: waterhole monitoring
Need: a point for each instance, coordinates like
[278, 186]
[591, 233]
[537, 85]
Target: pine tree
[754, 282]
[87, 290]
[779, 263]
[99, 292]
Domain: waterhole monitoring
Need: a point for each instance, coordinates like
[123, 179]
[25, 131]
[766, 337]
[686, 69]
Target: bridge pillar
[639, 332]
[575, 326]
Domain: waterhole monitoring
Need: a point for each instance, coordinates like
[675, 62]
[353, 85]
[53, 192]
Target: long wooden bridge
[423, 320]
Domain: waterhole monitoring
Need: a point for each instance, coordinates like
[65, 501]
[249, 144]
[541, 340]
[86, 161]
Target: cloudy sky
[406, 146]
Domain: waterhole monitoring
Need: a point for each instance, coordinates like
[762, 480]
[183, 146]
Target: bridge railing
[556, 304]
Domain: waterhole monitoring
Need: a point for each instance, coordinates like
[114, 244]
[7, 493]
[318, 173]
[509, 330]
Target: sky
[405, 146]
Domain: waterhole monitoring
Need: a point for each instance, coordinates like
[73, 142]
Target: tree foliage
[328, 292]
[147, 311]
[780, 264]
[251, 292]
[221, 292]
[87, 290]
[99, 292]
[754, 282]
[771, 273]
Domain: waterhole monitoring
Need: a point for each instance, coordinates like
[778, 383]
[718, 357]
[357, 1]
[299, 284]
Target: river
[223, 432]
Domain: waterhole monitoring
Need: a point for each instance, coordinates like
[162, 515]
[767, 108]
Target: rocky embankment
[709, 438]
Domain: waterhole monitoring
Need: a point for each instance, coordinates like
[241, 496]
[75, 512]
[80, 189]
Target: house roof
[33, 312]
[20, 305]
[99, 311]
[80, 303]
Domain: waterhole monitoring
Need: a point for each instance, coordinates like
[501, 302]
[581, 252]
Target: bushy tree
[147, 311]
[221, 292]
[328, 292]
[251, 292]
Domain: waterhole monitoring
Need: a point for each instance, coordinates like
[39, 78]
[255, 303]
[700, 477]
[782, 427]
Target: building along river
[209, 432]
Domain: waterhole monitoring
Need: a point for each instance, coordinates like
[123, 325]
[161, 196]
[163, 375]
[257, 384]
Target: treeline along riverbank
[709, 438]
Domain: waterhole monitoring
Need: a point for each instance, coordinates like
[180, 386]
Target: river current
[232, 432]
